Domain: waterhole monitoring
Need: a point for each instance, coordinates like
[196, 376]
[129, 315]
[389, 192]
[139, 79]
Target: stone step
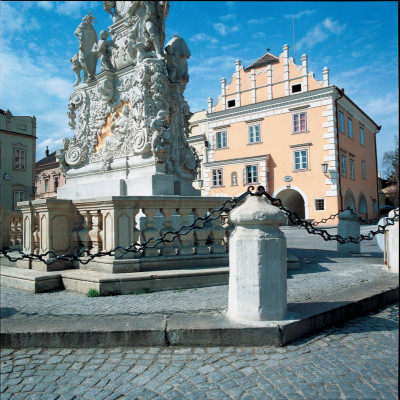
[136, 282]
[29, 280]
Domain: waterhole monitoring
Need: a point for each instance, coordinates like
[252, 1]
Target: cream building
[17, 158]
[304, 140]
[48, 176]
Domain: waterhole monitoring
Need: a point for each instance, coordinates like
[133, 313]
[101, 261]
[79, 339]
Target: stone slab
[29, 280]
[59, 332]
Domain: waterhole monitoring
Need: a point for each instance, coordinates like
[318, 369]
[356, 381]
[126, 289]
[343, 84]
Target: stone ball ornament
[77, 98]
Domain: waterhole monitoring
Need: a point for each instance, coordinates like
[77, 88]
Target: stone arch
[294, 199]
[349, 200]
[362, 205]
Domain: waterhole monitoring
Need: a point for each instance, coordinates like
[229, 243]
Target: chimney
[47, 151]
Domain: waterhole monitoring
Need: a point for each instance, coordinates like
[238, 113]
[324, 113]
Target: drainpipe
[341, 91]
[376, 165]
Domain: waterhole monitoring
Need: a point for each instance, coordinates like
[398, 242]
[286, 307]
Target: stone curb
[194, 329]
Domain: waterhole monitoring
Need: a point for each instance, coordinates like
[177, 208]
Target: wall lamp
[325, 169]
[7, 176]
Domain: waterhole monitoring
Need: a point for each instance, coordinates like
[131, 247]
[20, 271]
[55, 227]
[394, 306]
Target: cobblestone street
[356, 360]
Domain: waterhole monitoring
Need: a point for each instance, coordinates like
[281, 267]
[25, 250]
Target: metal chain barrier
[356, 215]
[295, 220]
[84, 256]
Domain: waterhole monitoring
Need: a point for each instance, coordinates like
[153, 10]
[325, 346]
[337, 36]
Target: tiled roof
[51, 159]
[266, 59]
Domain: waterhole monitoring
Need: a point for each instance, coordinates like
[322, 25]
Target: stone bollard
[257, 263]
[348, 227]
[392, 245]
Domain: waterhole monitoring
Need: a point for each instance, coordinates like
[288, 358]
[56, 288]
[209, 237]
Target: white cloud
[15, 22]
[320, 32]
[300, 14]
[259, 35]
[384, 105]
[257, 21]
[230, 46]
[228, 17]
[203, 37]
[45, 5]
[223, 29]
[73, 8]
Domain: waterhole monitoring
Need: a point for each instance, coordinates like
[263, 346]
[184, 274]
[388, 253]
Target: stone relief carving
[85, 60]
[139, 111]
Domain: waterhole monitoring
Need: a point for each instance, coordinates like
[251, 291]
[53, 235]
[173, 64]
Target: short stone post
[257, 262]
[349, 226]
[392, 248]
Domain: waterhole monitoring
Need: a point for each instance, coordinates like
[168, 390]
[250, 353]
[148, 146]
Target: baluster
[150, 231]
[95, 233]
[13, 235]
[36, 234]
[201, 235]
[217, 236]
[19, 231]
[168, 249]
[84, 232]
[187, 241]
[78, 220]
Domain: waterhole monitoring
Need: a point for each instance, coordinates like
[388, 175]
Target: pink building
[305, 140]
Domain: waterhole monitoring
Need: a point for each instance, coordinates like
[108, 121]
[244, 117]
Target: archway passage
[362, 206]
[349, 201]
[293, 200]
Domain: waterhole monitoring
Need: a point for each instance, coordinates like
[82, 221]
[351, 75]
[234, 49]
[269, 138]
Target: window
[251, 174]
[221, 140]
[46, 185]
[319, 204]
[234, 181]
[56, 183]
[19, 159]
[300, 122]
[350, 127]
[231, 103]
[362, 137]
[217, 177]
[363, 169]
[254, 134]
[343, 163]
[300, 159]
[341, 121]
[374, 205]
[296, 88]
[19, 195]
[352, 175]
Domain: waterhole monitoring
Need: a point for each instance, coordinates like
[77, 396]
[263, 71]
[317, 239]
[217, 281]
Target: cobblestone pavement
[323, 271]
[354, 360]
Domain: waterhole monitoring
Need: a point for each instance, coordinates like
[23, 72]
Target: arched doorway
[349, 201]
[293, 200]
[362, 206]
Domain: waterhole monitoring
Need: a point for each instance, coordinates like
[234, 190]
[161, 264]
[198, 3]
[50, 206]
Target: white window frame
[352, 168]
[253, 128]
[18, 195]
[221, 134]
[362, 136]
[363, 169]
[19, 162]
[315, 204]
[217, 175]
[350, 127]
[343, 166]
[341, 121]
[299, 150]
[252, 177]
[294, 132]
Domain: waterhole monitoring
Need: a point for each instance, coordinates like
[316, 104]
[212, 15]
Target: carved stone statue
[102, 49]
[87, 38]
[108, 6]
[161, 136]
[177, 54]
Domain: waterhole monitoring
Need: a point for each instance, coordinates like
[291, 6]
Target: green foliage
[390, 162]
[93, 293]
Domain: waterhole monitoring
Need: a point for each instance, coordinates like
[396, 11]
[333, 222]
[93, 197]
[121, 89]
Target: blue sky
[357, 41]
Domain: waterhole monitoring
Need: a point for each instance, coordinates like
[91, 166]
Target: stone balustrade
[10, 228]
[101, 224]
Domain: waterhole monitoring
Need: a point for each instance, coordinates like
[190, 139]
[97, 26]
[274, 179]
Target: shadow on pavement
[7, 312]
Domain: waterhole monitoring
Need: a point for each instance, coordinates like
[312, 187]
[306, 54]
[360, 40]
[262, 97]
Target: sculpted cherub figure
[103, 50]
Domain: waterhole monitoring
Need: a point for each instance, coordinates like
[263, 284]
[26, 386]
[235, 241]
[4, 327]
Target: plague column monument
[131, 119]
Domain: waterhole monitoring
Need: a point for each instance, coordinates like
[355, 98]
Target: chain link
[295, 220]
[84, 256]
